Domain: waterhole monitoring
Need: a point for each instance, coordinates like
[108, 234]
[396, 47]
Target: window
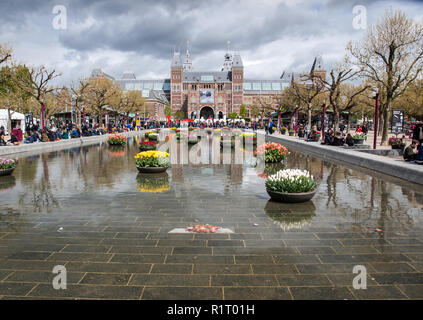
[194, 87]
[220, 87]
[237, 88]
[176, 88]
[129, 86]
[276, 86]
[256, 86]
[266, 86]
[185, 86]
[207, 78]
[247, 86]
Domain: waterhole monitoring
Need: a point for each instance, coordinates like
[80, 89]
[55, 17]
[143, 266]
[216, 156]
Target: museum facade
[207, 94]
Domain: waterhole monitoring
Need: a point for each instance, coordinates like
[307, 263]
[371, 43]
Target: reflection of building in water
[236, 173]
[177, 173]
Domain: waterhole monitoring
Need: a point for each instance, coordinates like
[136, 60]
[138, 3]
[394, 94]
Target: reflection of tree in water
[42, 198]
[331, 185]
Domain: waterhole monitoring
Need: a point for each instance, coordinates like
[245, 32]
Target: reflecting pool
[89, 205]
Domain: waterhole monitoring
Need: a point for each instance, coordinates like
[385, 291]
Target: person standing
[418, 133]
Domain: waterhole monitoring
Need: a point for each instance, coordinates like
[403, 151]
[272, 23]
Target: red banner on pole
[168, 119]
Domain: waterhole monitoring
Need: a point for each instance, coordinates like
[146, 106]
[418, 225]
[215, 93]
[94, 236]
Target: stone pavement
[115, 243]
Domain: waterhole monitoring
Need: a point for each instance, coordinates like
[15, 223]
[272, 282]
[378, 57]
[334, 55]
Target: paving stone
[321, 293]
[223, 269]
[192, 250]
[171, 280]
[200, 259]
[182, 293]
[256, 293]
[392, 267]
[106, 278]
[141, 250]
[296, 280]
[17, 289]
[79, 256]
[138, 258]
[82, 248]
[413, 291]
[398, 278]
[243, 280]
[42, 276]
[378, 292]
[172, 268]
[89, 291]
[274, 269]
[108, 267]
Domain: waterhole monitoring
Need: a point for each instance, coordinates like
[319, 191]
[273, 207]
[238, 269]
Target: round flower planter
[6, 172]
[291, 134]
[358, 141]
[152, 169]
[291, 197]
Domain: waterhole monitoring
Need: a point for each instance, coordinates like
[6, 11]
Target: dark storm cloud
[153, 27]
[142, 35]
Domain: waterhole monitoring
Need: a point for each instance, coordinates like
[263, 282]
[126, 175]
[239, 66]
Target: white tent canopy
[15, 117]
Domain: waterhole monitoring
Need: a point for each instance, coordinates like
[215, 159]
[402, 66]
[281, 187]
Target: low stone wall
[39, 147]
[393, 167]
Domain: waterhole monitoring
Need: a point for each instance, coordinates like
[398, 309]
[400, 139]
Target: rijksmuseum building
[206, 94]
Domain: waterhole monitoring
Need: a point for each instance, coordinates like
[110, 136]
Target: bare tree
[307, 89]
[5, 53]
[390, 55]
[338, 99]
[37, 85]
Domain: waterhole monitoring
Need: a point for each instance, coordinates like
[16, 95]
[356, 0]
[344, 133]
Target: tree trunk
[349, 122]
[309, 116]
[335, 120]
[385, 127]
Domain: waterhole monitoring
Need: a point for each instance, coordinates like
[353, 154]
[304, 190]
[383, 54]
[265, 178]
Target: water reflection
[87, 180]
[291, 216]
[153, 182]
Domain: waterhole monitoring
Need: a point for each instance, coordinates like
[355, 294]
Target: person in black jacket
[418, 133]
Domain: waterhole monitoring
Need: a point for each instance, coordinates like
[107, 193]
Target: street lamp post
[42, 114]
[376, 119]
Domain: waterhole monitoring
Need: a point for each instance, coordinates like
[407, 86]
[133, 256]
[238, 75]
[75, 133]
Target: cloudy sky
[140, 36]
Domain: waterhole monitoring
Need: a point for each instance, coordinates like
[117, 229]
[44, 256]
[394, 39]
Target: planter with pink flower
[272, 152]
[7, 166]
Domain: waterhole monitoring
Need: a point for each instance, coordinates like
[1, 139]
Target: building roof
[128, 75]
[176, 60]
[207, 76]
[100, 73]
[237, 61]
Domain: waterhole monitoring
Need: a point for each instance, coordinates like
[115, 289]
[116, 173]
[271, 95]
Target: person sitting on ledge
[349, 140]
[419, 156]
[409, 154]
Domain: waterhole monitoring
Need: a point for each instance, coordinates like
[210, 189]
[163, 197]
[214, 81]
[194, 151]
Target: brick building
[209, 94]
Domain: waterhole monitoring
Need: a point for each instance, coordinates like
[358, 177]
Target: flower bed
[291, 181]
[117, 140]
[148, 145]
[147, 132]
[152, 159]
[273, 152]
[204, 228]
